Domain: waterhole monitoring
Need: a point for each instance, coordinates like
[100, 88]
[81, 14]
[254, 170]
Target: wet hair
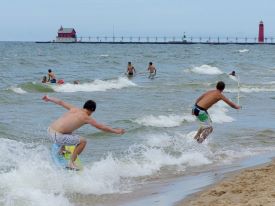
[129, 62]
[220, 85]
[150, 63]
[49, 70]
[44, 79]
[90, 105]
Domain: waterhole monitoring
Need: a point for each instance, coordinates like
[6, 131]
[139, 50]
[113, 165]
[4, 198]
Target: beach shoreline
[249, 186]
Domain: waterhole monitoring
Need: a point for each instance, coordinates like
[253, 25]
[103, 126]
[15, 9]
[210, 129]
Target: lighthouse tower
[261, 32]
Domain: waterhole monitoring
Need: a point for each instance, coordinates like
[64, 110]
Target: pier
[172, 40]
[68, 35]
[168, 40]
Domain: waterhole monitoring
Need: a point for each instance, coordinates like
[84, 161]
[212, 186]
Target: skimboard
[62, 160]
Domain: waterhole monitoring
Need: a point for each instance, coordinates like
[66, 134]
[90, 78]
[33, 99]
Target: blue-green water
[155, 113]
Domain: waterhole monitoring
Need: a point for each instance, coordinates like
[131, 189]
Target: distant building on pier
[66, 35]
[261, 32]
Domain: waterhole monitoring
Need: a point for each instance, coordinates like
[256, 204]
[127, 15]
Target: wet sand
[249, 187]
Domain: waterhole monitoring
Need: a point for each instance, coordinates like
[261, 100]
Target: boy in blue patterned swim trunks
[203, 103]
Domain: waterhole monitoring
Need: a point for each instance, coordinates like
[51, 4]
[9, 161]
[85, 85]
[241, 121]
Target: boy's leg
[197, 136]
[78, 149]
[204, 134]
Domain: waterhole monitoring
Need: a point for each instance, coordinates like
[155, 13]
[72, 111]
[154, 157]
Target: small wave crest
[96, 85]
[219, 114]
[253, 88]
[206, 69]
[243, 50]
[18, 90]
[164, 121]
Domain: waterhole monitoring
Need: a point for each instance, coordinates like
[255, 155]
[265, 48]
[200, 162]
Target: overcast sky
[39, 20]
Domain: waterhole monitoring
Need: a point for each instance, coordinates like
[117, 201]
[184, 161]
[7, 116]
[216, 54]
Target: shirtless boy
[130, 69]
[152, 70]
[51, 76]
[61, 130]
[203, 103]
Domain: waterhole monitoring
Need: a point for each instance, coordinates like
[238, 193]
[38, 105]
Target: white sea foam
[206, 69]
[30, 176]
[252, 89]
[104, 55]
[218, 113]
[96, 85]
[243, 50]
[164, 121]
[234, 78]
[18, 90]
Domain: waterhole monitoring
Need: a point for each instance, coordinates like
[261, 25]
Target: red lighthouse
[261, 32]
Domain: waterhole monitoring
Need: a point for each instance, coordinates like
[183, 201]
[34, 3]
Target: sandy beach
[249, 187]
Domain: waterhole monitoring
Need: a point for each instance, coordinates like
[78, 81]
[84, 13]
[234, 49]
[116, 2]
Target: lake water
[156, 113]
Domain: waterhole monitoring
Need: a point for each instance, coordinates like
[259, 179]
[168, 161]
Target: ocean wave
[218, 113]
[243, 50]
[18, 90]
[30, 175]
[164, 121]
[206, 69]
[96, 85]
[252, 89]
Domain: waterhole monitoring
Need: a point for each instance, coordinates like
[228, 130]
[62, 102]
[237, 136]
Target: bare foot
[72, 166]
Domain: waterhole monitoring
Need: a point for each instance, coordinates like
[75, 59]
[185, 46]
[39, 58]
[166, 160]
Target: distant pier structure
[68, 35]
[261, 32]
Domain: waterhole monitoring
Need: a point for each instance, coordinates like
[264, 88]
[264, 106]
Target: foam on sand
[96, 85]
[206, 69]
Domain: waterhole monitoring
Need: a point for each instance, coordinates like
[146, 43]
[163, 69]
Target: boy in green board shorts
[203, 103]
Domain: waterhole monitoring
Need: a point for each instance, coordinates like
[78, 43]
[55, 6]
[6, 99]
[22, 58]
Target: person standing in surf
[51, 76]
[203, 103]
[61, 130]
[152, 70]
[130, 69]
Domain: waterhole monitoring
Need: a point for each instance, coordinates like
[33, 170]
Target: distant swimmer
[233, 73]
[152, 70]
[51, 76]
[76, 82]
[130, 69]
[44, 79]
[61, 130]
[203, 103]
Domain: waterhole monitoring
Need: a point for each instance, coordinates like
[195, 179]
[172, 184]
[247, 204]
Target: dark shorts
[53, 81]
[130, 74]
[202, 115]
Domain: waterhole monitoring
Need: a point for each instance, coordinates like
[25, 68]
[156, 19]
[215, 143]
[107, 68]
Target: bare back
[211, 97]
[151, 69]
[70, 121]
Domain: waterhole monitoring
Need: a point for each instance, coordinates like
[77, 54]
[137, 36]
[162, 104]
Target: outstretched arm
[104, 127]
[58, 101]
[230, 103]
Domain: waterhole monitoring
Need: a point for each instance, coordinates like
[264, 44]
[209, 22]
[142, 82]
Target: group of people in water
[151, 68]
[61, 130]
